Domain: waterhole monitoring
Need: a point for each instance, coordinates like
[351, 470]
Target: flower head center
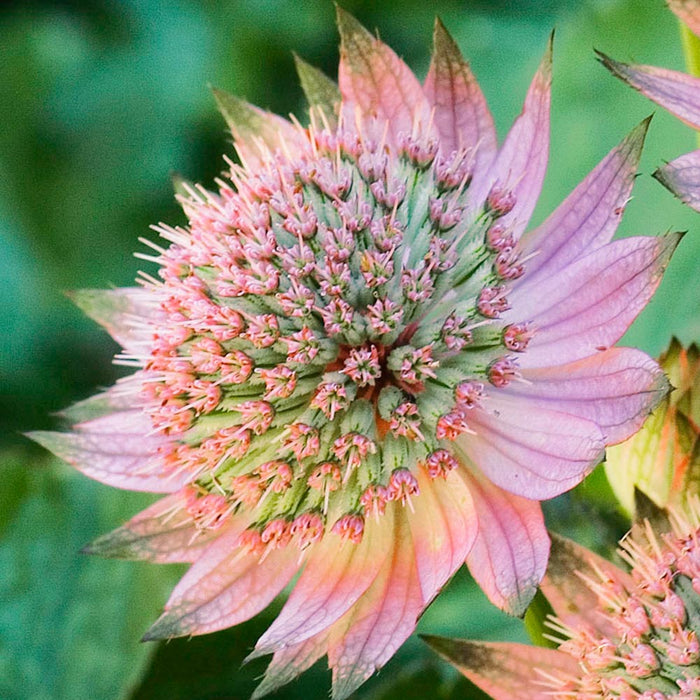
[338, 315]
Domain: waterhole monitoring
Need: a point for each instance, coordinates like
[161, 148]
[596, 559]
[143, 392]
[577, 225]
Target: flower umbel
[620, 634]
[354, 364]
[679, 93]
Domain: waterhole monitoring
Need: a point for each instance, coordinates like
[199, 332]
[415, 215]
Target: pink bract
[354, 364]
[677, 92]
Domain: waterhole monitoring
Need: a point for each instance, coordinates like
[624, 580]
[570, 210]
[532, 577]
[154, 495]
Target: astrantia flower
[663, 458]
[679, 94]
[353, 364]
[621, 634]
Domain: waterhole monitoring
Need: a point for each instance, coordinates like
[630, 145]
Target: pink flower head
[628, 634]
[396, 398]
[677, 92]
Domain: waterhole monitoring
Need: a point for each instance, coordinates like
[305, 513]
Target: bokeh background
[100, 103]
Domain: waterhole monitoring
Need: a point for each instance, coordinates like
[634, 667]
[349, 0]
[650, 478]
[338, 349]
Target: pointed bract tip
[646, 509]
[456, 651]
[103, 306]
[518, 604]
[674, 348]
[321, 92]
[299, 62]
[600, 56]
[113, 545]
[440, 33]
[349, 28]
[664, 176]
[263, 689]
[546, 63]
[165, 627]
[225, 101]
[46, 438]
[662, 387]
[275, 677]
[89, 548]
[434, 641]
[84, 299]
[246, 121]
[235, 111]
[302, 67]
[444, 45]
[617, 68]
[565, 557]
[671, 241]
[660, 176]
[633, 143]
[80, 297]
[640, 131]
[256, 654]
[181, 185]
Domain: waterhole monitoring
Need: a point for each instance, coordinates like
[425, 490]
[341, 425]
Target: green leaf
[70, 625]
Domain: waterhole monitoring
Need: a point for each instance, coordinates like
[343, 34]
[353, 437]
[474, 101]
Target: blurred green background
[100, 102]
